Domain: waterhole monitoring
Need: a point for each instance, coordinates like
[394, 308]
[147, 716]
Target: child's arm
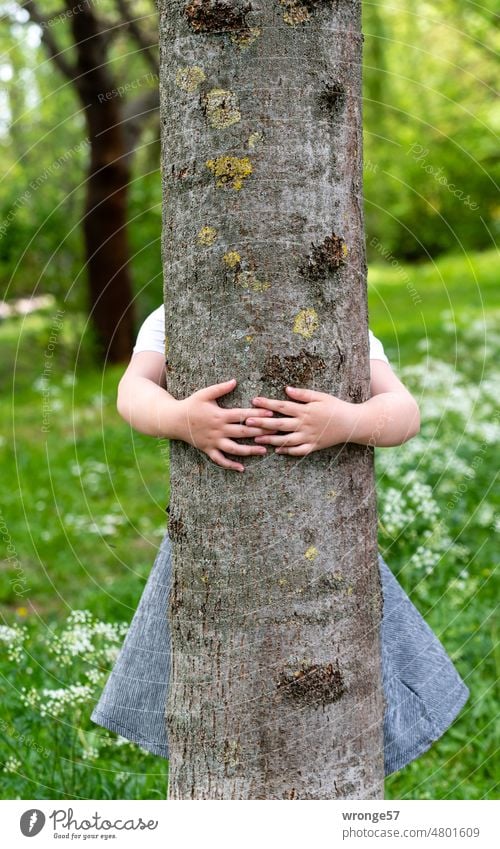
[145, 404]
[315, 420]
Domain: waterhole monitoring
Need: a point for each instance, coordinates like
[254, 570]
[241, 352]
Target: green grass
[89, 467]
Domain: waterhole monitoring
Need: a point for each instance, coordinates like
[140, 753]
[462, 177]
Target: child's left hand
[314, 420]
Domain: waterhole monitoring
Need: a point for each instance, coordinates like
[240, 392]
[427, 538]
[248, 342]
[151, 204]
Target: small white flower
[12, 764]
[90, 754]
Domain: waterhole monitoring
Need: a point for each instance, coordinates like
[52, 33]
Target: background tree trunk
[276, 603]
[111, 302]
[114, 128]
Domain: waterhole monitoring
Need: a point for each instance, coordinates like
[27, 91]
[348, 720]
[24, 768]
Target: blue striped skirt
[423, 691]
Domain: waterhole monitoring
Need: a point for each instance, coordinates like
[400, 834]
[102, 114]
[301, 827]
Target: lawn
[84, 511]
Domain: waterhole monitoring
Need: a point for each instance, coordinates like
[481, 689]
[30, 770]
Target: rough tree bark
[275, 607]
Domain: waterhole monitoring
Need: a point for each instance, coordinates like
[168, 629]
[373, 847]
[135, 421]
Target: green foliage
[430, 123]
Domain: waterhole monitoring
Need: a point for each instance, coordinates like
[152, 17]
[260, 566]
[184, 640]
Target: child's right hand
[213, 429]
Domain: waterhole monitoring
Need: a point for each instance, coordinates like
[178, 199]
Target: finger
[239, 449]
[218, 389]
[305, 395]
[236, 431]
[273, 423]
[296, 451]
[219, 458]
[280, 439]
[289, 408]
[238, 415]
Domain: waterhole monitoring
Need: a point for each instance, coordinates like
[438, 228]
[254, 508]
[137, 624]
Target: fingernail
[250, 421]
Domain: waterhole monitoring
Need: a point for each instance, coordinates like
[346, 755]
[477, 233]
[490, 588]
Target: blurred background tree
[102, 75]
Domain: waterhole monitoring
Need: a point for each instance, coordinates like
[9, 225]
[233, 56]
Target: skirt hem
[111, 724]
[405, 757]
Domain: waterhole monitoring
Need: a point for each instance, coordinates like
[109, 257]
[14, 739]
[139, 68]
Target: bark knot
[312, 683]
[332, 98]
[326, 257]
[293, 370]
[176, 530]
[218, 15]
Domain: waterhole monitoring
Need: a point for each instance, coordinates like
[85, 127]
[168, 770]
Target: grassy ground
[84, 510]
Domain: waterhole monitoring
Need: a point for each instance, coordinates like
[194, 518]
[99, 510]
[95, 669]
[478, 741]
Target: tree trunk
[111, 304]
[275, 690]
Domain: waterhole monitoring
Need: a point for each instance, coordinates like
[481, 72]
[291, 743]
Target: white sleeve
[151, 336]
[376, 348]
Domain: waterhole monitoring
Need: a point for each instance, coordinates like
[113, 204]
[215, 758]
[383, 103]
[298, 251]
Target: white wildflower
[13, 638]
[90, 754]
[12, 764]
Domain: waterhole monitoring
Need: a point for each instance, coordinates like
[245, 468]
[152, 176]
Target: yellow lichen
[232, 258]
[311, 552]
[282, 582]
[207, 236]
[345, 249]
[230, 170]
[295, 12]
[306, 323]
[189, 78]
[332, 493]
[246, 38]
[221, 108]
[248, 338]
[254, 139]
[248, 280]
[231, 752]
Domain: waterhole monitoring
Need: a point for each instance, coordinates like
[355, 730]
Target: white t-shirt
[151, 337]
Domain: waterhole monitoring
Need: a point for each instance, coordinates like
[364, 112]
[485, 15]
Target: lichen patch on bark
[221, 108]
[306, 323]
[245, 38]
[312, 683]
[231, 753]
[295, 12]
[311, 552]
[230, 170]
[207, 236]
[324, 258]
[331, 581]
[254, 139]
[189, 78]
[232, 259]
[248, 280]
[217, 16]
[299, 11]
